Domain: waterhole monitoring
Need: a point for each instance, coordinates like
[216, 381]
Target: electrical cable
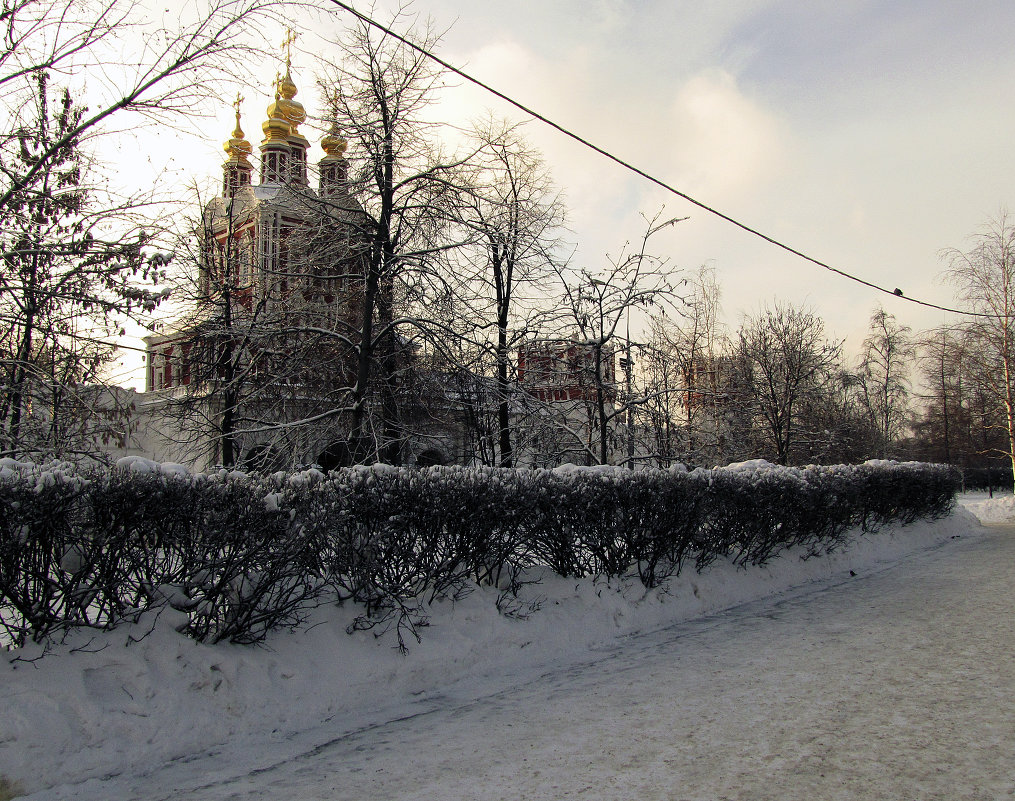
[896, 292]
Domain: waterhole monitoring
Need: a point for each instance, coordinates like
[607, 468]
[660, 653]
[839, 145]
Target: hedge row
[240, 554]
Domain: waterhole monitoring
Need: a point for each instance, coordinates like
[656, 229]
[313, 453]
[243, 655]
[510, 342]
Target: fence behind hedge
[240, 554]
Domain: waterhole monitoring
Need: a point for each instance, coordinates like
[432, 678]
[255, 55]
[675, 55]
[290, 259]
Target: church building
[276, 271]
[260, 371]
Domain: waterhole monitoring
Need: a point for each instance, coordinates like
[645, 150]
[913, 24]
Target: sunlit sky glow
[870, 134]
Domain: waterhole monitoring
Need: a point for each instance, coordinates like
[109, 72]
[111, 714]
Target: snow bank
[997, 509]
[127, 700]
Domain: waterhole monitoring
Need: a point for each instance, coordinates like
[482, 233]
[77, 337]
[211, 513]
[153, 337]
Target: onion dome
[277, 127]
[292, 109]
[333, 145]
[238, 148]
[333, 167]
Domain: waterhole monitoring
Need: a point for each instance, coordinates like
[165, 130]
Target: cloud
[720, 140]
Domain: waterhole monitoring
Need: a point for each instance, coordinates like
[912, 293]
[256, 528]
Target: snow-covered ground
[996, 508]
[601, 691]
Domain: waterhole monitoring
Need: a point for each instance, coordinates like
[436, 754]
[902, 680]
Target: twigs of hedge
[239, 555]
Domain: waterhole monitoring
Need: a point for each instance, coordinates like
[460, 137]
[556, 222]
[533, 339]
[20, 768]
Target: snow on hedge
[235, 556]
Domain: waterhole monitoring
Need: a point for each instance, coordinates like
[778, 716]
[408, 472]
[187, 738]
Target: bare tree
[260, 362]
[65, 285]
[834, 426]
[684, 374]
[407, 191]
[514, 215]
[220, 358]
[961, 418]
[985, 279]
[598, 304]
[783, 357]
[882, 378]
[943, 367]
[174, 72]
[661, 377]
[74, 255]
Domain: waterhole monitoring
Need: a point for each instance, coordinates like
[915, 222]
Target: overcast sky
[868, 134]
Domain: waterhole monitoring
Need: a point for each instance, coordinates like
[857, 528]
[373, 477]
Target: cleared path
[894, 685]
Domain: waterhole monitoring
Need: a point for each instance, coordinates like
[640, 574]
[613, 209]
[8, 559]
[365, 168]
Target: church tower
[237, 168]
[276, 153]
[284, 149]
[334, 169]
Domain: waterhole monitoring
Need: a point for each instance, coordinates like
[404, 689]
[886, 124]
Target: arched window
[431, 457]
[261, 459]
[336, 455]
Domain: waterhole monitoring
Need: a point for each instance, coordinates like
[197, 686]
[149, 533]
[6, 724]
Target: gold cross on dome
[236, 103]
[287, 43]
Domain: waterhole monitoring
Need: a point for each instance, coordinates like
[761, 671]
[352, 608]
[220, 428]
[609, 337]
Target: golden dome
[277, 127]
[333, 144]
[238, 148]
[292, 109]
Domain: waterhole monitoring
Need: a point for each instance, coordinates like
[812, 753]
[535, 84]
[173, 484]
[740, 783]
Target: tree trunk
[364, 359]
[1009, 400]
[604, 451]
[503, 390]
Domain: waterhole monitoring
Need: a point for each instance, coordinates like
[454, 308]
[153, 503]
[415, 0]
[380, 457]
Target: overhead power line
[895, 292]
